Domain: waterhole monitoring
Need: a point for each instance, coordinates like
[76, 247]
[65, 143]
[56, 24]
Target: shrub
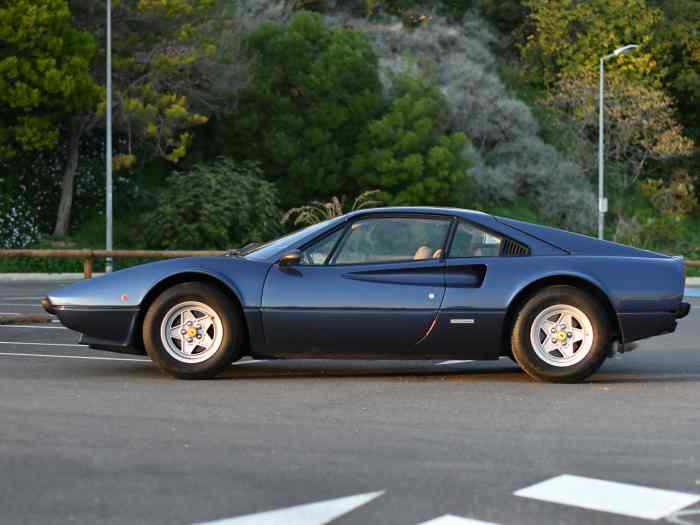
[216, 206]
[407, 153]
[313, 90]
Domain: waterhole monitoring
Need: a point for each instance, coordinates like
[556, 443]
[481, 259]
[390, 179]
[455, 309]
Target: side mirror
[290, 259]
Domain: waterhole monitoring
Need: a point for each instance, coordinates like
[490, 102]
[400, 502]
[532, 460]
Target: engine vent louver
[511, 248]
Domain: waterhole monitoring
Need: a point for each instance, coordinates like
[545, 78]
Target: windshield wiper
[243, 250]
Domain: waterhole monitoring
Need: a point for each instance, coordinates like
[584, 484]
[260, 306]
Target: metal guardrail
[88, 256]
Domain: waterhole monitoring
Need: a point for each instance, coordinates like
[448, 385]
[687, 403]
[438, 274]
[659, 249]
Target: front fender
[128, 288]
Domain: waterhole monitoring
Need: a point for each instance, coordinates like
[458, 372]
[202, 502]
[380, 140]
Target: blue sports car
[389, 283]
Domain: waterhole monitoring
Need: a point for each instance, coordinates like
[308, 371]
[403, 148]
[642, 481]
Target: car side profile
[388, 283]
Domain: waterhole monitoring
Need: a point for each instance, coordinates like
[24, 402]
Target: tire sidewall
[230, 320]
[525, 354]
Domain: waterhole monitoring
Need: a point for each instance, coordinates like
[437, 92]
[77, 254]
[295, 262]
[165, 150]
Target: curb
[14, 277]
[25, 319]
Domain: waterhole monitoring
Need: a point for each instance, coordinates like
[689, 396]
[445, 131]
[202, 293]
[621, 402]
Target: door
[373, 287]
[469, 325]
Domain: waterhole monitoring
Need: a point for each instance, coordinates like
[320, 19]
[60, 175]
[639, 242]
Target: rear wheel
[561, 334]
[193, 331]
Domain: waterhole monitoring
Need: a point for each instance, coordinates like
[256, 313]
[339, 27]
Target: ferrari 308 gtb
[388, 283]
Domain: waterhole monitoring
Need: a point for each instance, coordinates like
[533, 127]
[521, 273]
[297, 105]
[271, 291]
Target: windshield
[269, 249]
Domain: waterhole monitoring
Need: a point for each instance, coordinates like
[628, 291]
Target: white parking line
[449, 519]
[318, 513]
[41, 344]
[609, 496]
[94, 358]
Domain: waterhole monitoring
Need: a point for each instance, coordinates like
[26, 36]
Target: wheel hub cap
[191, 332]
[561, 335]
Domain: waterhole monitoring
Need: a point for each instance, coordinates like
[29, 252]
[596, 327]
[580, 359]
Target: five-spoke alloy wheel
[561, 334]
[193, 331]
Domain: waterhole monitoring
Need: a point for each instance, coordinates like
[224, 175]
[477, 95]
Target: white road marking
[679, 517]
[318, 513]
[17, 354]
[449, 519]
[609, 496]
[42, 344]
[95, 358]
[455, 362]
[33, 326]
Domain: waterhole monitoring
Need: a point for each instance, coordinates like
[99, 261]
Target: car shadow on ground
[647, 369]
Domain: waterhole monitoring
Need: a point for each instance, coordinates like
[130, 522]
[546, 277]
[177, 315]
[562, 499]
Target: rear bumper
[683, 310]
[636, 326]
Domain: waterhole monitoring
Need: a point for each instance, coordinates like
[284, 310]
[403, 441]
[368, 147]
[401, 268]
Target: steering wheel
[306, 258]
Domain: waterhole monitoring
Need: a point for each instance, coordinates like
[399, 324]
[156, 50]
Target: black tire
[527, 357]
[230, 348]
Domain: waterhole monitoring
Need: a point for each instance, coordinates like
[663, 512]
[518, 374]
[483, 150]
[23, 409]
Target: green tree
[680, 36]
[46, 89]
[408, 154]
[231, 205]
[312, 90]
[44, 74]
[570, 35]
[160, 52]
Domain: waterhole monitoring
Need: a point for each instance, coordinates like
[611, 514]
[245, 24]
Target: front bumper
[103, 327]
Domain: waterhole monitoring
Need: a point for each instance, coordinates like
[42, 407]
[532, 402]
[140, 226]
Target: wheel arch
[186, 277]
[577, 281]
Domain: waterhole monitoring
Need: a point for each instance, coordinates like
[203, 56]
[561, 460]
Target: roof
[434, 210]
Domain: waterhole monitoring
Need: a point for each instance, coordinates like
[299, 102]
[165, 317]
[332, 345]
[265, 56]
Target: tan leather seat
[424, 252]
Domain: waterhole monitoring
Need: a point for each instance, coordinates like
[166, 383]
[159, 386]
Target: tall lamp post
[602, 201]
[108, 160]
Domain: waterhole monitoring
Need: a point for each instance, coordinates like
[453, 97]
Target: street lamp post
[108, 160]
[602, 201]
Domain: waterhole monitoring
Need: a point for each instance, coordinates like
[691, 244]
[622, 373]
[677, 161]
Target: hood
[577, 244]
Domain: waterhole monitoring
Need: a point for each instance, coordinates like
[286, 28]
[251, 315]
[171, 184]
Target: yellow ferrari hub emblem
[562, 336]
[191, 331]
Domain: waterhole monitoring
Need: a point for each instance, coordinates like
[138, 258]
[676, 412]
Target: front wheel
[561, 335]
[193, 331]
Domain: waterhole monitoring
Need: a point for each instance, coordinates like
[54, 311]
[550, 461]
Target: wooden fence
[88, 256]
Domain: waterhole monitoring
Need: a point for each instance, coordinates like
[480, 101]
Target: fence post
[87, 267]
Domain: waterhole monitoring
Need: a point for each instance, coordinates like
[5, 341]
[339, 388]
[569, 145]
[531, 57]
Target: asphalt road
[114, 441]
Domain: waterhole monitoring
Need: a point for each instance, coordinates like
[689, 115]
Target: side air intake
[511, 248]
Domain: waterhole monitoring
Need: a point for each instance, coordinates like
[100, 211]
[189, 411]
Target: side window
[470, 241]
[393, 239]
[318, 253]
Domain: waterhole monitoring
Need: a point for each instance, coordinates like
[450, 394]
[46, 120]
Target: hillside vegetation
[227, 114]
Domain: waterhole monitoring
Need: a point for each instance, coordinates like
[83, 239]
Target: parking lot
[89, 436]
